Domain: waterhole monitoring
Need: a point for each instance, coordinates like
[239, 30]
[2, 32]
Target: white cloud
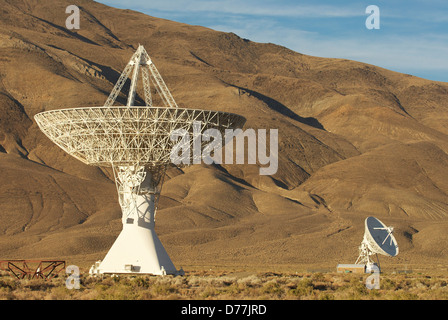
[248, 7]
[420, 57]
[415, 54]
[397, 45]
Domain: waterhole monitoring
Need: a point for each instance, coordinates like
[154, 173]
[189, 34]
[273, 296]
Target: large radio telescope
[135, 142]
[378, 239]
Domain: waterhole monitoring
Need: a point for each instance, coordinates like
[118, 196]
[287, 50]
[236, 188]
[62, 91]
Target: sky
[412, 36]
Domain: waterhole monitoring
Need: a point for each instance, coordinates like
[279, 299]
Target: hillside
[355, 140]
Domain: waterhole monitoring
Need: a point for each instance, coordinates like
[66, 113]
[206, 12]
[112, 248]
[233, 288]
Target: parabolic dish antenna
[378, 239]
[135, 142]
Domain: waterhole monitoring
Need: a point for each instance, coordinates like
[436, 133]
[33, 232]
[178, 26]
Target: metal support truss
[33, 269]
[141, 60]
[366, 256]
[128, 181]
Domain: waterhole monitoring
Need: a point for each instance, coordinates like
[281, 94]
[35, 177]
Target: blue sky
[413, 34]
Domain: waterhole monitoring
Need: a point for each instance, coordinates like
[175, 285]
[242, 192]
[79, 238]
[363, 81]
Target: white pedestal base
[137, 250]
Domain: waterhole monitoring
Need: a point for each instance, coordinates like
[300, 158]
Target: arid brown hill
[355, 140]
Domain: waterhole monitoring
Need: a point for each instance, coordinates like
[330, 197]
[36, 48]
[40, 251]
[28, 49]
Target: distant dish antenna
[378, 239]
[135, 142]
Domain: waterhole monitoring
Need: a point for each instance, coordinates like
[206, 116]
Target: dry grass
[222, 286]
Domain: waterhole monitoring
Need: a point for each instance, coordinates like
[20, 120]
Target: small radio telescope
[135, 142]
[378, 239]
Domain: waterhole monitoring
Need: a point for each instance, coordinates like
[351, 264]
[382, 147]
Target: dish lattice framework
[126, 136]
[129, 135]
